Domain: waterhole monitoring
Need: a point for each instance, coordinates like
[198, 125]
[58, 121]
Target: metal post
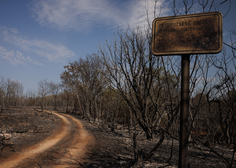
[183, 142]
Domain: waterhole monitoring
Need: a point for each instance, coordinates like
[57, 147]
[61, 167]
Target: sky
[39, 37]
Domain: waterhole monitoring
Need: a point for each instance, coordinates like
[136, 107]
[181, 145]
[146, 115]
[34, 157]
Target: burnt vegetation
[126, 90]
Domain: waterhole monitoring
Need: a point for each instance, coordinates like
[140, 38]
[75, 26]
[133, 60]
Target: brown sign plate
[187, 34]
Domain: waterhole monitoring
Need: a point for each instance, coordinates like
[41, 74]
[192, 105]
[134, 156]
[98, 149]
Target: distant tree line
[11, 93]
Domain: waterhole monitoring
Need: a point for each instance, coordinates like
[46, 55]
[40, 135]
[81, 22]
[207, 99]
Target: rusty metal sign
[187, 34]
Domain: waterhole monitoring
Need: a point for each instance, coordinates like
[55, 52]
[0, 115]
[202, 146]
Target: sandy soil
[63, 149]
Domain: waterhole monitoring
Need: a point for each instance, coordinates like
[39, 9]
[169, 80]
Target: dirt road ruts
[64, 149]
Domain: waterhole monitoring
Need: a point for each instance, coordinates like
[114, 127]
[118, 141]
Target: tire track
[72, 130]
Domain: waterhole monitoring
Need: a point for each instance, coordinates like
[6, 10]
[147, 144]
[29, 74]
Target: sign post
[183, 138]
[185, 35]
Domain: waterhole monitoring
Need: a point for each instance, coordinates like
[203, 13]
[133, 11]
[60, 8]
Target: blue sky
[39, 37]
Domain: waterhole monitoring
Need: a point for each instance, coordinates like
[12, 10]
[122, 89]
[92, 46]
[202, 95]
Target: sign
[187, 34]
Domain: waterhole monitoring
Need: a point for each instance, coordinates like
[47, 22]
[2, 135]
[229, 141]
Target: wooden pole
[183, 142]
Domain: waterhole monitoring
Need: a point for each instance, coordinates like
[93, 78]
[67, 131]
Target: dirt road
[63, 149]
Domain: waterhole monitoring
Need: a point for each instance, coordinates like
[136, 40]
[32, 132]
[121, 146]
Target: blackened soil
[23, 128]
[115, 149]
[110, 150]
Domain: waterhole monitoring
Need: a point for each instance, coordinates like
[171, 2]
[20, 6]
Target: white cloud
[85, 14]
[140, 8]
[44, 49]
[16, 57]
[11, 56]
[33, 61]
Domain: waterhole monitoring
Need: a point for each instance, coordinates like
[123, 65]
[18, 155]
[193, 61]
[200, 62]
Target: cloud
[141, 9]
[11, 56]
[33, 61]
[44, 49]
[16, 57]
[87, 14]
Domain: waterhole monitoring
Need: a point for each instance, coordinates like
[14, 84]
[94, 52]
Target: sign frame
[191, 18]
